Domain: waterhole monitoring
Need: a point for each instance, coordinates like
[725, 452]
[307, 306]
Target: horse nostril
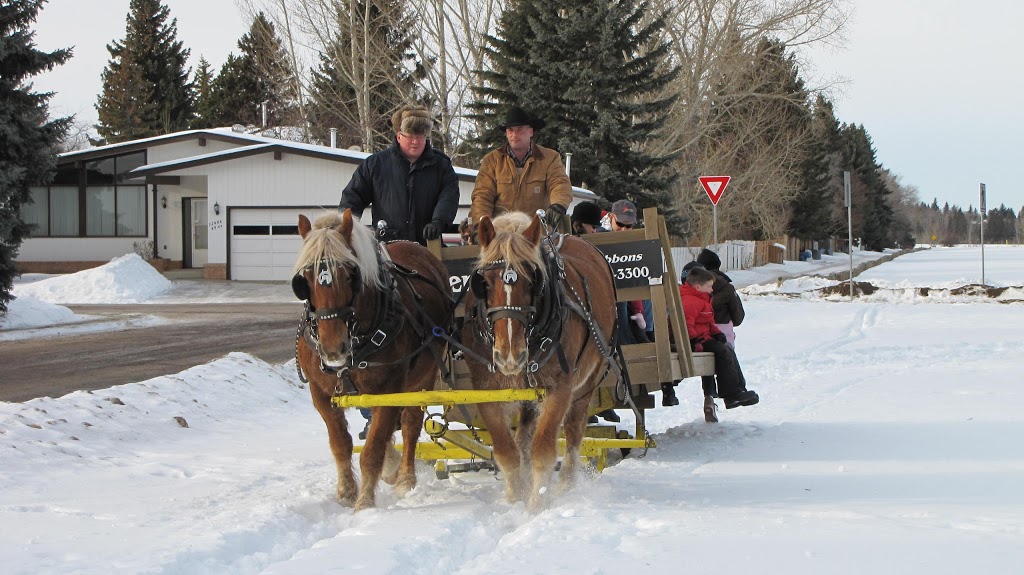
[522, 359]
[343, 348]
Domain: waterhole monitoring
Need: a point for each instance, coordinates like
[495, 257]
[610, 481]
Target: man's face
[519, 137]
[411, 145]
[618, 226]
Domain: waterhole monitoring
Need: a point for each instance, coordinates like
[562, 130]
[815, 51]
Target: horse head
[337, 265]
[507, 285]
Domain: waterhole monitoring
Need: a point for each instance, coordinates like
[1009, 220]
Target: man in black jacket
[410, 186]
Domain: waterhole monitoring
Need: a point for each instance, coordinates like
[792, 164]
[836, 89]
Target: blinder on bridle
[524, 314]
[325, 277]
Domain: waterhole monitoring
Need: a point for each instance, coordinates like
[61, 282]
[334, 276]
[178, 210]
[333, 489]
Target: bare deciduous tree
[452, 40]
[354, 38]
[712, 41]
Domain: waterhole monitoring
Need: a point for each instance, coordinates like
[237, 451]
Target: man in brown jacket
[520, 175]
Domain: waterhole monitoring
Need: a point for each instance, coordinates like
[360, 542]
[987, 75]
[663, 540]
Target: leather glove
[432, 231]
[639, 320]
[554, 214]
[720, 337]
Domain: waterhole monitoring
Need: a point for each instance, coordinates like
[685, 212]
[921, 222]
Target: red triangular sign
[714, 186]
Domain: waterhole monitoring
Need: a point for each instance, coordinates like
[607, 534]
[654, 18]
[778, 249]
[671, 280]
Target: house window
[99, 196]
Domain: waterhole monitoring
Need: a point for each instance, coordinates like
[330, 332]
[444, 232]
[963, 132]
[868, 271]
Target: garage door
[265, 243]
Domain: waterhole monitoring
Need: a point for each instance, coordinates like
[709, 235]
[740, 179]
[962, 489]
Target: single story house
[221, 200]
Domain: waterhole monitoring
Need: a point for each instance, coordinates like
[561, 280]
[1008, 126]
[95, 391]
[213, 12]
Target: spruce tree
[148, 68]
[260, 73]
[821, 177]
[203, 82]
[596, 73]
[874, 205]
[28, 139]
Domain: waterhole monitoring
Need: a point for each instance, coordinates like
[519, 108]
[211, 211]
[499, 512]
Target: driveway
[169, 338]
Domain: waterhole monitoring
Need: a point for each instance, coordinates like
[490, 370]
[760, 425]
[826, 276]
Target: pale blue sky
[939, 86]
[937, 83]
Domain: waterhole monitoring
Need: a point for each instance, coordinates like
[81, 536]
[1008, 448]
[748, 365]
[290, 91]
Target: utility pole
[982, 223]
[849, 224]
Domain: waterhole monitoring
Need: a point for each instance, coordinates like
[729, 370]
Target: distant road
[196, 334]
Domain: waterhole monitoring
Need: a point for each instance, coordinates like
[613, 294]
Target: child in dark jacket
[706, 336]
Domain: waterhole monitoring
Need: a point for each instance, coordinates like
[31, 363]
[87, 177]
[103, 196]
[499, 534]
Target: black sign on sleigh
[634, 264]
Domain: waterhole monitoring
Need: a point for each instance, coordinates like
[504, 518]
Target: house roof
[250, 145]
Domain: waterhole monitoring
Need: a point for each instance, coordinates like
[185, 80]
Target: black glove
[695, 343]
[720, 337]
[432, 231]
[554, 215]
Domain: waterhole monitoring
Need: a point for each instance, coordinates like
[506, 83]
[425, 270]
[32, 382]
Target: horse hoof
[404, 485]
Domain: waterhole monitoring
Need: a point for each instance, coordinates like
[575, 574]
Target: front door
[199, 232]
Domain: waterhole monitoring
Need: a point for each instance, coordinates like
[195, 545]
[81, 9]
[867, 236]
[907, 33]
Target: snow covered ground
[887, 440]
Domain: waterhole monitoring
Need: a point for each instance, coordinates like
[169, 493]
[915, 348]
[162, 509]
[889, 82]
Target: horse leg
[505, 452]
[575, 428]
[545, 444]
[340, 441]
[371, 460]
[524, 433]
[412, 422]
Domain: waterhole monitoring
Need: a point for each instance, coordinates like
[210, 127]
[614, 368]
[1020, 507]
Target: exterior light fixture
[216, 208]
[163, 201]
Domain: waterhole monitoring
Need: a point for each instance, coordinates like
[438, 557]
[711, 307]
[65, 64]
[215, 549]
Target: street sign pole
[714, 216]
[982, 234]
[849, 224]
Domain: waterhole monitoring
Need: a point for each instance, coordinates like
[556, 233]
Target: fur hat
[709, 259]
[415, 121]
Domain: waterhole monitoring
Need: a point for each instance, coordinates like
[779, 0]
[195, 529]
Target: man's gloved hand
[554, 214]
[638, 319]
[720, 337]
[433, 230]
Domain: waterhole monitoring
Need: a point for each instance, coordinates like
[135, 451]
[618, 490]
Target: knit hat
[587, 213]
[687, 268]
[709, 259]
[413, 121]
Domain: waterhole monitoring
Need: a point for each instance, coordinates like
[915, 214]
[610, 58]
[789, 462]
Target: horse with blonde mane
[545, 317]
[372, 312]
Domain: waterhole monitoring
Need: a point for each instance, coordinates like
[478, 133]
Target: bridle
[542, 321]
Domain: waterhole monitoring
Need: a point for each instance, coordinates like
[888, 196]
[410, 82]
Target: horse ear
[532, 233]
[346, 226]
[485, 231]
[304, 225]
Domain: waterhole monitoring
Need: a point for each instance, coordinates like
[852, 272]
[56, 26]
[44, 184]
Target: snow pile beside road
[27, 311]
[126, 279]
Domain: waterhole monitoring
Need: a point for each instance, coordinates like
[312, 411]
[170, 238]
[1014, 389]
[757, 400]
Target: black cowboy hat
[520, 117]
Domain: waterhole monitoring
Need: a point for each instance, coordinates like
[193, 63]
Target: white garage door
[265, 243]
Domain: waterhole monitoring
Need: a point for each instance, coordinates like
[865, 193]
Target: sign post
[849, 223]
[982, 234]
[714, 187]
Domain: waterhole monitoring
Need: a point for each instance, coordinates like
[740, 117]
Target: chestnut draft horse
[544, 315]
[368, 327]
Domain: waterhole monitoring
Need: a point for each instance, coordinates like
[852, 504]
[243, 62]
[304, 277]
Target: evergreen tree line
[949, 226]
